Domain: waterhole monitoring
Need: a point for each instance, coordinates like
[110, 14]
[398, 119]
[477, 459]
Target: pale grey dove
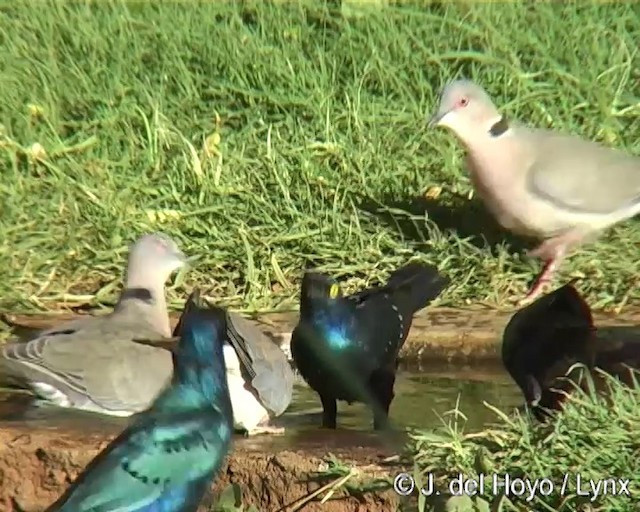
[92, 363]
[259, 376]
[558, 188]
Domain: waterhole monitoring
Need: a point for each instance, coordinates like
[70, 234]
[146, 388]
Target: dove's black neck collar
[141, 294]
[500, 127]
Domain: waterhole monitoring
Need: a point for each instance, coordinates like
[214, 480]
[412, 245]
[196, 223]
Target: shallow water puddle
[424, 396]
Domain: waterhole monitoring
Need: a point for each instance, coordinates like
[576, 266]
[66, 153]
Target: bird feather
[581, 176]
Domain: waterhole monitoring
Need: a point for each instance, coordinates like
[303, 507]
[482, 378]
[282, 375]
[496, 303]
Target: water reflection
[424, 396]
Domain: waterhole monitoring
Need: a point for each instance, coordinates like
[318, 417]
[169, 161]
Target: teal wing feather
[148, 459]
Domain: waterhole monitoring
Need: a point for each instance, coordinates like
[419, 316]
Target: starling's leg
[381, 385]
[329, 411]
[540, 414]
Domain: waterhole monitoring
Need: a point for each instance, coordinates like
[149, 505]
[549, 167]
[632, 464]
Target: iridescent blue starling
[346, 347]
[166, 459]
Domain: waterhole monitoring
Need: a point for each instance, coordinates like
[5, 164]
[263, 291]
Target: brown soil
[36, 465]
[38, 462]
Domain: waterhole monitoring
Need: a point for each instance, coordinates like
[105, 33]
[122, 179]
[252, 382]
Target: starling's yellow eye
[334, 291]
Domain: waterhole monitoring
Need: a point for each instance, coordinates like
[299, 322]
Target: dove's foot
[557, 247]
[264, 429]
[552, 252]
[544, 278]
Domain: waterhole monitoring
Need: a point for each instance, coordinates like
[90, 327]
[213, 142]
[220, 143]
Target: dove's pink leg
[552, 252]
[544, 277]
[265, 427]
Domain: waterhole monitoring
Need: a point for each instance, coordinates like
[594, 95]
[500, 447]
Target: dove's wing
[265, 363]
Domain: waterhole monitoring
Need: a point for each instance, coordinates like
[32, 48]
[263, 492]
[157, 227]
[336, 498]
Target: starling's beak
[169, 344]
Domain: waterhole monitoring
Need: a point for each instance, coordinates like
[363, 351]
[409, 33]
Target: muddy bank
[439, 334]
[36, 466]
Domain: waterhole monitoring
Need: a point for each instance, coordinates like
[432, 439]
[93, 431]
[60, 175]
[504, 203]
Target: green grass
[111, 112]
[603, 414]
[570, 445]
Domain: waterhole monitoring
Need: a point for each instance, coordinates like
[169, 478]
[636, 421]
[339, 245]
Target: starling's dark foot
[329, 411]
[380, 423]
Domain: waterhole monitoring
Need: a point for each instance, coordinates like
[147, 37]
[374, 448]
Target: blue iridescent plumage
[337, 337]
[346, 348]
[166, 459]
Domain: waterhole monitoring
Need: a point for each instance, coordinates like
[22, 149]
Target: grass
[567, 447]
[565, 453]
[269, 137]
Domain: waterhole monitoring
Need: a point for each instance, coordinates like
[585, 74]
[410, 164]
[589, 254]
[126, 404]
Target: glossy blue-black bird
[346, 347]
[166, 459]
[542, 341]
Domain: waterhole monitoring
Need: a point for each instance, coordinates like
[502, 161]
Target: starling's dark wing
[382, 315]
[414, 286]
[376, 327]
[532, 332]
[545, 337]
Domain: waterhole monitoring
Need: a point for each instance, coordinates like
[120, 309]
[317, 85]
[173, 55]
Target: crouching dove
[259, 376]
[92, 363]
[558, 188]
[166, 459]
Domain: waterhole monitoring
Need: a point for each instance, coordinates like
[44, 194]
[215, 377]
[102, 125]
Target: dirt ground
[36, 465]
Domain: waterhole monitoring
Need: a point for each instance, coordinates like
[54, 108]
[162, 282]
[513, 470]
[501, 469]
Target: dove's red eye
[463, 102]
[160, 246]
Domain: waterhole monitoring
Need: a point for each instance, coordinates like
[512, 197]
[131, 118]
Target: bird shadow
[618, 344]
[22, 333]
[468, 219]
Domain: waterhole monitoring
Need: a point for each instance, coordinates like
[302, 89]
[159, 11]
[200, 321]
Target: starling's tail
[572, 316]
[415, 285]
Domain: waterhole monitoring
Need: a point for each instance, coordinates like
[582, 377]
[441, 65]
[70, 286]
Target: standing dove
[558, 188]
[259, 376]
[166, 459]
[92, 364]
[346, 348]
